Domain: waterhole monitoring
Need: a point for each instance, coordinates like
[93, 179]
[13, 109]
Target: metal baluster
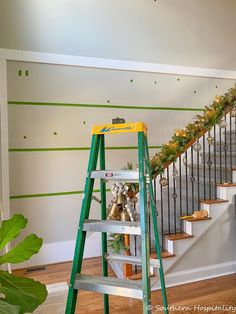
[155, 191]
[225, 149]
[162, 218]
[230, 149]
[204, 167]
[135, 246]
[174, 195]
[155, 195]
[180, 193]
[220, 157]
[192, 179]
[186, 179]
[209, 163]
[168, 199]
[198, 183]
[135, 253]
[235, 139]
[214, 130]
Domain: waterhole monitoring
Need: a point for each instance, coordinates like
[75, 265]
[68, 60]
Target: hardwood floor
[190, 298]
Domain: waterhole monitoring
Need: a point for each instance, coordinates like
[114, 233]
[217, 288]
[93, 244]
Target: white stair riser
[188, 227]
[226, 193]
[178, 246]
[234, 176]
[169, 246]
[197, 227]
[181, 245]
[214, 210]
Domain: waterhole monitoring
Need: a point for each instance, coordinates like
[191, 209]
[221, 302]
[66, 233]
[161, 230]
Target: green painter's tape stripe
[33, 103]
[50, 194]
[49, 149]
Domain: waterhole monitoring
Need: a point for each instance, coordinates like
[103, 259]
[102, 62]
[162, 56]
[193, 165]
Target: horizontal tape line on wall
[51, 149]
[108, 106]
[50, 194]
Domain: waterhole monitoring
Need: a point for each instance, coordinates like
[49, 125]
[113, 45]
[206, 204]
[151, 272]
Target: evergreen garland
[182, 138]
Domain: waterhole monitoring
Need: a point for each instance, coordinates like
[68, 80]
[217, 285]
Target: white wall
[183, 32]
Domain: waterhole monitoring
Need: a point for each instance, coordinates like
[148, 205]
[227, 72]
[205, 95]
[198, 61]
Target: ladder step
[131, 260]
[108, 285]
[116, 175]
[111, 226]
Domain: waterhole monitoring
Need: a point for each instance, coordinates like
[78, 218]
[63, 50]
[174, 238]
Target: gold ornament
[113, 212]
[175, 173]
[181, 133]
[163, 182]
[217, 99]
[197, 147]
[120, 199]
[185, 161]
[210, 140]
[124, 216]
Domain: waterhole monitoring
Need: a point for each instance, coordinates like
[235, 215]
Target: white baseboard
[51, 253]
[197, 274]
[63, 251]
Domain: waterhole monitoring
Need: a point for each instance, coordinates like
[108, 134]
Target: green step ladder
[104, 284]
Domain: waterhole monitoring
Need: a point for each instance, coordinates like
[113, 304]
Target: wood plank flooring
[191, 298]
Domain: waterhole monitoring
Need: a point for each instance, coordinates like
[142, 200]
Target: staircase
[203, 177]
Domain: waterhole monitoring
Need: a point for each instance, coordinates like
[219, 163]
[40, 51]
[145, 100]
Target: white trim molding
[124, 65]
[197, 274]
[4, 156]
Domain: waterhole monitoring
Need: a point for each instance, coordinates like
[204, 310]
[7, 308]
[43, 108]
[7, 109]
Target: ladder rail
[81, 235]
[157, 241]
[106, 284]
[103, 217]
[144, 225]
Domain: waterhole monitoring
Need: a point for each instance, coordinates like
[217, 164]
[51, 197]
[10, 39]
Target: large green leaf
[25, 292]
[22, 251]
[6, 308]
[11, 228]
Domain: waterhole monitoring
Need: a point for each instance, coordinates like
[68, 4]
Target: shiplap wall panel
[55, 218]
[38, 124]
[60, 171]
[88, 85]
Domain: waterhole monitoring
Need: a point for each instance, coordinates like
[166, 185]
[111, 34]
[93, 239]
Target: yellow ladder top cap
[129, 127]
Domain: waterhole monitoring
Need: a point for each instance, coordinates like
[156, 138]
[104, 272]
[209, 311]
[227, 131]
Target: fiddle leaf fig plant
[19, 294]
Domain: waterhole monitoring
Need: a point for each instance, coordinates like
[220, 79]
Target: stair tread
[164, 254]
[138, 276]
[167, 254]
[131, 260]
[178, 236]
[109, 285]
[226, 184]
[192, 219]
[112, 226]
[216, 201]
